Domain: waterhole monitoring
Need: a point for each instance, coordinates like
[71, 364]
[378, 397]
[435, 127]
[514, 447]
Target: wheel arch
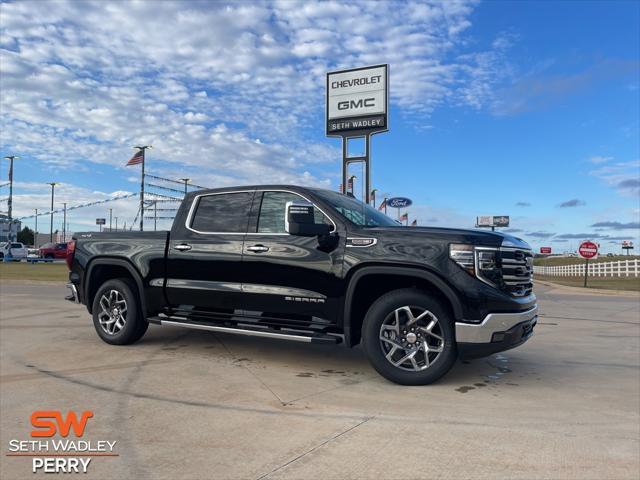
[365, 286]
[102, 269]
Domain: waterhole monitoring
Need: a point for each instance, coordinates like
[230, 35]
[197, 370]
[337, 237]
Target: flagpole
[143, 149]
[385, 205]
[142, 193]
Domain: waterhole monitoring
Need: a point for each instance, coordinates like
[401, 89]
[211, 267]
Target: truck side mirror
[299, 219]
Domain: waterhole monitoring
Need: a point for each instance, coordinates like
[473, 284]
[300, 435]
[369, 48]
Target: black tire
[134, 326]
[1, 256]
[432, 364]
[49, 255]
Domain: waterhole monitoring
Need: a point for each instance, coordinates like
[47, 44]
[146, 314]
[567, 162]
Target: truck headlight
[481, 262]
[463, 255]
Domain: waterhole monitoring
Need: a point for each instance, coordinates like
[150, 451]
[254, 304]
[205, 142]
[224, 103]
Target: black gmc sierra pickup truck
[311, 265]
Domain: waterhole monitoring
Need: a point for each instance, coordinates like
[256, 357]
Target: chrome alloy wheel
[411, 338]
[113, 315]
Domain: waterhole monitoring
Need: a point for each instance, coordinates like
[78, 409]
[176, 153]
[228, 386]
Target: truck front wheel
[409, 337]
[117, 315]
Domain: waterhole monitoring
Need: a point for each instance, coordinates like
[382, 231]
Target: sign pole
[367, 166]
[345, 165]
[586, 271]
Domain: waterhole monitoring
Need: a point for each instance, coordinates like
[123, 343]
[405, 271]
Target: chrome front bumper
[73, 296]
[492, 323]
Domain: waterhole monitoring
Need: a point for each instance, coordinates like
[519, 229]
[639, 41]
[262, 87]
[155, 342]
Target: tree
[26, 236]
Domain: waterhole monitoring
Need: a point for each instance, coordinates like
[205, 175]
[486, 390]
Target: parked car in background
[53, 250]
[15, 250]
[33, 252]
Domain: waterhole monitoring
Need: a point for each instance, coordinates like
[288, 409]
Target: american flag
[383, 205]
[414, 223]
[350, 184]
[137, 158]
[404, 217]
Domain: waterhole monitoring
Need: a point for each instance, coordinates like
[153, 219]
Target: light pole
[53, 187]
[64, 223]
[11, 158]
[110, 217]
[35, 234]
[116, 224]
[186, 181]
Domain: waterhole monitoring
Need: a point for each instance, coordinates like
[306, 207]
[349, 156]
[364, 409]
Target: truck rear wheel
[117, 316]
[409, 337]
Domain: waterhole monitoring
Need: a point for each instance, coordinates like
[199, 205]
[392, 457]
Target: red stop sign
[588, 249]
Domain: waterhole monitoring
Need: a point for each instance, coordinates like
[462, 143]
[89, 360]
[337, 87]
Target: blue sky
[513, 108]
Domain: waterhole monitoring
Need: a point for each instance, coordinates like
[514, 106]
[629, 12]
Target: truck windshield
[356, 211]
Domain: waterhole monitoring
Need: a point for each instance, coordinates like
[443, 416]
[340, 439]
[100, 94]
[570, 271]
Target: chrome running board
[244, 331]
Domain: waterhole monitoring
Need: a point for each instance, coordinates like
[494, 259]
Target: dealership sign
[357, 101]
[588, 249]
[545, 250]
[101, 221]
[399, 202]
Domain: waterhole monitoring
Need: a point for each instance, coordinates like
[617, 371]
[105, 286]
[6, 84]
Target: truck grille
[517, 271]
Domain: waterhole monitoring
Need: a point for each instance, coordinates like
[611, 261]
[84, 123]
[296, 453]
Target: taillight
[71, 249]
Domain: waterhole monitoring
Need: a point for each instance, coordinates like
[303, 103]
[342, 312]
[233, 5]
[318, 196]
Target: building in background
[8, 229]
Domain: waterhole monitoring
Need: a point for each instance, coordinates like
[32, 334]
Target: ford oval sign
[399, 202]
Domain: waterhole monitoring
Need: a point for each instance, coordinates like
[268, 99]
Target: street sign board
[501, 221]
[492, 221]
[484, 221]
[545, 250]
[588, 249]
[357, 101]
[628, 244]
[101, 221]
[399, 202]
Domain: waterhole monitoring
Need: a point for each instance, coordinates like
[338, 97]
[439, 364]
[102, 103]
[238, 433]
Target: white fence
[621, 268]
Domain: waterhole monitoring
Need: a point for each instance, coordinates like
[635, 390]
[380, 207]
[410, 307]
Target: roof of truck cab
[256, 187]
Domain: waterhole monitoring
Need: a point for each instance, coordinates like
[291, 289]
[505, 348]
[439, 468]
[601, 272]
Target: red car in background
[53, 250]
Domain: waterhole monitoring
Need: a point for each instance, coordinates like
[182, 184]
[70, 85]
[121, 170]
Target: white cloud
[598, 159]
[623, 176]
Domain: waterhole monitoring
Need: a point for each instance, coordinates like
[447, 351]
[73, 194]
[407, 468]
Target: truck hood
[454, 235]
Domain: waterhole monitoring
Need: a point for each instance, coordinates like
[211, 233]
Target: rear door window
[222, 213]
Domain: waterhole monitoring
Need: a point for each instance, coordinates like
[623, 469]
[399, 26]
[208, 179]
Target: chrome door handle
[258, 248]
[183, 247]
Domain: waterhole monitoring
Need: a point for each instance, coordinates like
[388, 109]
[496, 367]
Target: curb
[588, 290]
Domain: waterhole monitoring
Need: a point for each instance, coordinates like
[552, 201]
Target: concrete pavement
[191, 404]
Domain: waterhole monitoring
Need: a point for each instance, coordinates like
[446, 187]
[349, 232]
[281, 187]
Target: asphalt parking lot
[191, 404]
